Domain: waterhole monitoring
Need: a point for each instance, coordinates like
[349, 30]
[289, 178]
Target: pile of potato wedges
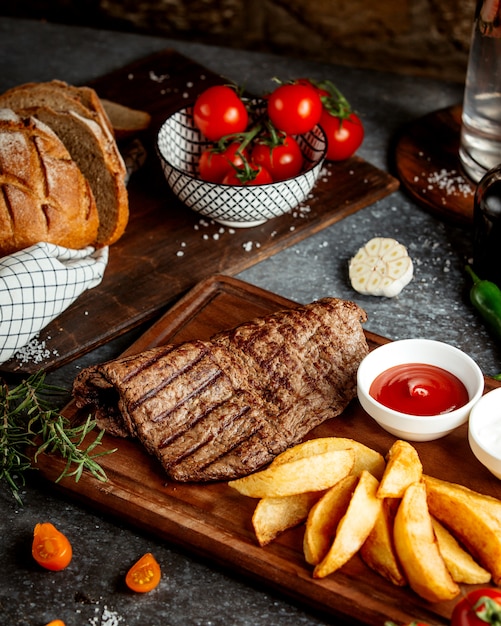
[411, 528]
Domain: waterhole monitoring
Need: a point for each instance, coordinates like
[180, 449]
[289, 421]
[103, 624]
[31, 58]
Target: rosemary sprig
[28, 421]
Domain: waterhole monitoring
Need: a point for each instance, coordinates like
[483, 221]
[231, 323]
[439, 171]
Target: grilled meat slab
[221, 409]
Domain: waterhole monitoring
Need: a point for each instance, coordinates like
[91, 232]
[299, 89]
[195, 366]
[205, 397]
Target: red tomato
[252, 175]
[465, 613]
[219, 111]
[282, 161]
[214, 164]
[294, 108]
[414, 623]
[320, 90]
[344, 136]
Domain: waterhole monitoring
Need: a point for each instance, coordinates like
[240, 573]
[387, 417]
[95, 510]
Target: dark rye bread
[80, 121]
[220, 409]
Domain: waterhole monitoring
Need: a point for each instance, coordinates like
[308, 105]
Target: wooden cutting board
[167, 248]
[215, 521]
[428, 166]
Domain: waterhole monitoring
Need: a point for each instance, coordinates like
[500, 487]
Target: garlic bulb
[381, 268]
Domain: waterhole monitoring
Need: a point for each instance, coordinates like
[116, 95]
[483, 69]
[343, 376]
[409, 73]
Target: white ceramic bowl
[417, 427]
[484, 431]
[179, 145]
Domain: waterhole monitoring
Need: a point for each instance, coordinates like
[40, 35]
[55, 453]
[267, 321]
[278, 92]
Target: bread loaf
[43, 194]
[124, 120]
[78, 118]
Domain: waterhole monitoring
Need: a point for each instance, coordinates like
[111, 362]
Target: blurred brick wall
[425, 37]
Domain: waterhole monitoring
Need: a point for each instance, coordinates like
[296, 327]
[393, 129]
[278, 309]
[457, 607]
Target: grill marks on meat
[219, 409]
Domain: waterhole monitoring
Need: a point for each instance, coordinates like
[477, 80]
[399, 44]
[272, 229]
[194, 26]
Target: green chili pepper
[486, 298]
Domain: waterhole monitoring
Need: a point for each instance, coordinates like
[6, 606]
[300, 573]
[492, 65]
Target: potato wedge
[461, 565]
[324, 517]
[365, 457]
[417, 548]
[354, 527]
[313, 473]
[378, 551]
[403, 467]
[273, 516]
[473, 518]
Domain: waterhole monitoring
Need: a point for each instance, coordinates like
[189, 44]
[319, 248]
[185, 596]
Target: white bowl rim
[479, 416]
[450, 416]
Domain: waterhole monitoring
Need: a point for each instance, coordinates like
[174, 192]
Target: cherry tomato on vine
[215, 164]
[344, 136]
[311, 83]
[294, 108]
[144, 575]
[250, 175]
[51, 549]
[413, 623]
[282, 161]
[484, 601]
[219, 111]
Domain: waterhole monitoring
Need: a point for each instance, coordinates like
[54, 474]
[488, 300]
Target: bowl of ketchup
[419, 389]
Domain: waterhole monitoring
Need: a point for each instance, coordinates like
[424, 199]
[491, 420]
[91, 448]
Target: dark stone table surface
[433, 305]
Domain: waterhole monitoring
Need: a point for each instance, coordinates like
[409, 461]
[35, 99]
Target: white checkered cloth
[37, 284]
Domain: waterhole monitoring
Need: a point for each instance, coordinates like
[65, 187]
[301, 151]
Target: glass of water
[480, 148]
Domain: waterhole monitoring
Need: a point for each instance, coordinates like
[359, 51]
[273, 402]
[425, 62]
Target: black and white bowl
[179, 145]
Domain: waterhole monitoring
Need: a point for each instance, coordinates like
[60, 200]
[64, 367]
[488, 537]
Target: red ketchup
[419, 389]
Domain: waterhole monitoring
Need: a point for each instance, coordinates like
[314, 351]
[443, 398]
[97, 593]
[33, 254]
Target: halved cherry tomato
[219, 111]
[214, 164]
[485, 602]
[344, 136]
[250, 175]
[284, 160]
[144, 575]
[55, 622]
[294, 108]
[51, 549]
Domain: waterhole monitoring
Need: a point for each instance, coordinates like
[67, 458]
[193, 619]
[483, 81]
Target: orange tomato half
[55, 622]
[144, 575]
[51, 549]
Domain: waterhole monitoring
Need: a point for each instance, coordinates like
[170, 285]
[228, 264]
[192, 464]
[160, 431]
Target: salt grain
[35, 351]
[451, 182]
[158, 78]
[107, 618]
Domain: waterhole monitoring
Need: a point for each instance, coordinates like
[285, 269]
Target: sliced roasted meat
[219, 409]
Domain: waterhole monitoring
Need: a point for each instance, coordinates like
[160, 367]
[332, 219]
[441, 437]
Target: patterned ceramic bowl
[179, 145]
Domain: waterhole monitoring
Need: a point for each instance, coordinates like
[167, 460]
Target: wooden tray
[428, 166]
[215, 521]
[167, 249]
